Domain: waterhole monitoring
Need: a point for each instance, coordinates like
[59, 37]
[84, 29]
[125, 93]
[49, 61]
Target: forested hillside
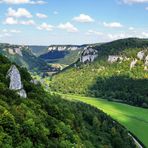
[38, 50]
[44, 120]
[23, 56]
[62, 54]
[124, 80]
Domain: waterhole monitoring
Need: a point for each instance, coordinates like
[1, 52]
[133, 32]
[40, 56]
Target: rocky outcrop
[63, 47]
[15, 81]
[140, 55]
[22, 93]
[114, 58]
[133, 63]
[18, 51]
[14, 51]
[146, 63]
[88, 55]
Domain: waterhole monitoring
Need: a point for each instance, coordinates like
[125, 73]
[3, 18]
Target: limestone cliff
[15, 81]
[88, 55]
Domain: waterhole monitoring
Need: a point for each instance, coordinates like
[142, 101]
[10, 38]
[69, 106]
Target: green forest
[115, 82]
[45, 120]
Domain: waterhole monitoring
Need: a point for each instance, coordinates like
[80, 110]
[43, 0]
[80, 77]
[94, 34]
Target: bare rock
[18, 51]
[113, 58]
[140, 55]
[133, 63]
[15, 81]
[22, 93]
[14, 51]
[146, 64]
[88, 55]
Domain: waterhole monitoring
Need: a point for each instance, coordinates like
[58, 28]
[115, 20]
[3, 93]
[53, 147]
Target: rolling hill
[119, 73]
[38, 50]
[133, 118]
[62, 54]
[46, 120]
[23, 56]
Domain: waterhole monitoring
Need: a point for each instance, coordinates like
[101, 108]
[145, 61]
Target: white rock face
[88, 55]
[62, 48]
[113, 58]
[11, 51]
[15, 78]
[146, 63]
[133, 63]
[89, 58]
[22, 93]
[15, 81]
[140, 55]
[14, 51]
[18, 51]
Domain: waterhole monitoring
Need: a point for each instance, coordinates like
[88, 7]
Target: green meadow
[135, 119]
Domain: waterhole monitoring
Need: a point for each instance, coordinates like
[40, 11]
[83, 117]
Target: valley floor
[135, 119]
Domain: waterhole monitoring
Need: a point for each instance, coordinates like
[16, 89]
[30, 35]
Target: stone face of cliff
[15, 81]
[63, 47]
[88, 55]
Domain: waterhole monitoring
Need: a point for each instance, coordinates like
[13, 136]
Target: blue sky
[45, 22]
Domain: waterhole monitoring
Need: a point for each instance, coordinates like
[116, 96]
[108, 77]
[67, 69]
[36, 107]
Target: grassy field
[135, 119]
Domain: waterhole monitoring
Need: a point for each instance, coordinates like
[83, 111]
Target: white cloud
[11, 31]
[45, 26]
[131, 28]
[93, 32]
[117, 36]
[41, 15]
[4, 30]
[8, 32]
[68, 27]
[20, 12]
[38, 2]
[113, 25]
[15, 1]
[127, 35]
[13, 16]
[10, 21]
[83, 18]
[28, 22]
[22, 2]
[134, 1]
[145, 34]
[15, 31]
[55, 12]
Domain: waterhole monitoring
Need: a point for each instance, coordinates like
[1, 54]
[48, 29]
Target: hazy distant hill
[62, 54]
[23, 56]
[38, 50]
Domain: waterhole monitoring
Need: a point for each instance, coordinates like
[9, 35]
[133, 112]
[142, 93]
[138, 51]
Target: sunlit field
[135, 119]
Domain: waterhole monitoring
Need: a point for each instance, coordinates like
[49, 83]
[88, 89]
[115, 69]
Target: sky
[46, 22]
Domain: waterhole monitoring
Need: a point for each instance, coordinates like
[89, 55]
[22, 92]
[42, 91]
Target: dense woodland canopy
[44, 120]
[115, 81]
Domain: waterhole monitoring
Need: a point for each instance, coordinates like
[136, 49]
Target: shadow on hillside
[121, 89]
